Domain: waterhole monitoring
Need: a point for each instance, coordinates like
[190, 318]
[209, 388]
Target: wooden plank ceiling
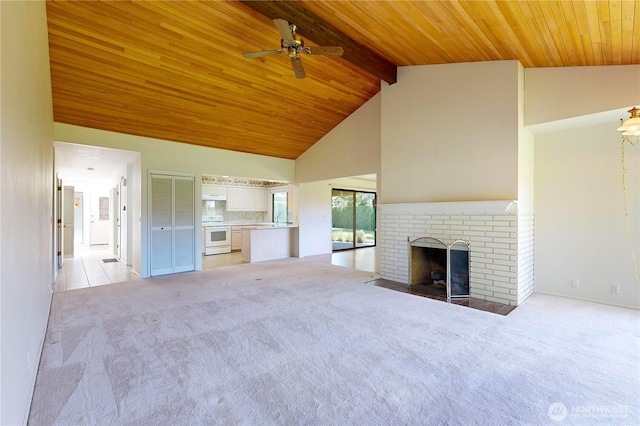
[174, 70]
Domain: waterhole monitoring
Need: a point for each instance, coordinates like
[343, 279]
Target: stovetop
[213, 218]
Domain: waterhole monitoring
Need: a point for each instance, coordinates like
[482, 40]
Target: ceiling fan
[293, 44]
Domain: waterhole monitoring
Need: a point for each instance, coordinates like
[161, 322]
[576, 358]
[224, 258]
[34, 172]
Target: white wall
[526, 163]
[526, 157]
[351, 148]
[450, 133]
[315, 218]
[579, 91]
[580, 223]
[526, 199]
[180, 157]
[26, 184]
[176, 157]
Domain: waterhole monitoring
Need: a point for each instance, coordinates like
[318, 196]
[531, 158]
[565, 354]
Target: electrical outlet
[575, 283]
[615, 289]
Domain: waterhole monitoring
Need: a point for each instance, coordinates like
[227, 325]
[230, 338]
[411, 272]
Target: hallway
[89, 269]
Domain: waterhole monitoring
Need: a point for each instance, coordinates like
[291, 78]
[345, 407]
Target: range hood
[214, 197]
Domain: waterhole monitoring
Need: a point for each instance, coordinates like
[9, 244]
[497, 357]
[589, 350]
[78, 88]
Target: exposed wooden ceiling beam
[321, 32]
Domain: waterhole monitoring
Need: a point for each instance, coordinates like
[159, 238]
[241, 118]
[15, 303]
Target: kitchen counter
[267, 226]
[242, 225]
[269, 242]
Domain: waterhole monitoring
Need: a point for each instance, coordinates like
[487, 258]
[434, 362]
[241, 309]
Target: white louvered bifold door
[172, 224]
[184, 236]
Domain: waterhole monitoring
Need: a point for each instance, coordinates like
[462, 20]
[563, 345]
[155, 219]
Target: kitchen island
[260, 243]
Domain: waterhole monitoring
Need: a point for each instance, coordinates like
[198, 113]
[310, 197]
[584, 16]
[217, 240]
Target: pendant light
[631, 126]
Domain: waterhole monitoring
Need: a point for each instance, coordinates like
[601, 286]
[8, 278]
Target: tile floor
[218, 260]
[88, 269]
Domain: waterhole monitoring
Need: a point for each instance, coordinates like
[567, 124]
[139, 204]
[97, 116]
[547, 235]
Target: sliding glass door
[354, 219]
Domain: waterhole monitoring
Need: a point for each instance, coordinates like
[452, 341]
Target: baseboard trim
[37, 367]
[584, 299]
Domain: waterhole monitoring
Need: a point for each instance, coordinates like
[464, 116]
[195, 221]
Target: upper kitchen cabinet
[241, 194]
[261, 200]
[247, 199]
[234, 199]
[240, 199]
[208, 189]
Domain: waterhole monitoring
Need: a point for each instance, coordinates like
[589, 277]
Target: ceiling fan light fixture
[293, 45]
[631, 126]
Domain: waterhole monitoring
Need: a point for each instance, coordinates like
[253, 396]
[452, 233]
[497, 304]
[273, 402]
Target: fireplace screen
[438, 268]
[458, 269]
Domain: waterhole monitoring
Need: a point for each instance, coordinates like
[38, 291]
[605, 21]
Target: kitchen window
[279, 207]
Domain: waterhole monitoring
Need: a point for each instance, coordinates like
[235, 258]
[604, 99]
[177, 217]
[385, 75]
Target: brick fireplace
[500, 242]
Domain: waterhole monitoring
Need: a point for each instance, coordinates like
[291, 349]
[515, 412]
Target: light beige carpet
[296, 342]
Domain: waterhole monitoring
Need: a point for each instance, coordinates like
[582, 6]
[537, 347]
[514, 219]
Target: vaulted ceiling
[174, 70]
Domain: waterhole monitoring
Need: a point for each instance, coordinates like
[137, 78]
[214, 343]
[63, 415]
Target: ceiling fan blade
[298, 70]
[324, 50]
[261, 53]
[284, 29]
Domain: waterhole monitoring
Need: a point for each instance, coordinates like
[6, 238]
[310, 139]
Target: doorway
[353, 217]
[172, 223]
[97, 174]
[78, 218]
[99, 229]
[68, 219]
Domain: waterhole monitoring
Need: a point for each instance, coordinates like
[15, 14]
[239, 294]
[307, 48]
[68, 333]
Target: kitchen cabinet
[208, 189]
[246, 199]
[261, 200]
[260, 243]
[236, 238]
[234, 199]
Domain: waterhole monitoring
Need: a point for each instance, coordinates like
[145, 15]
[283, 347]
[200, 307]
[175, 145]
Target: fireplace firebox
[439, 268]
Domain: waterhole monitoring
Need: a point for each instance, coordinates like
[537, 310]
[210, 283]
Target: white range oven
[217, 237]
